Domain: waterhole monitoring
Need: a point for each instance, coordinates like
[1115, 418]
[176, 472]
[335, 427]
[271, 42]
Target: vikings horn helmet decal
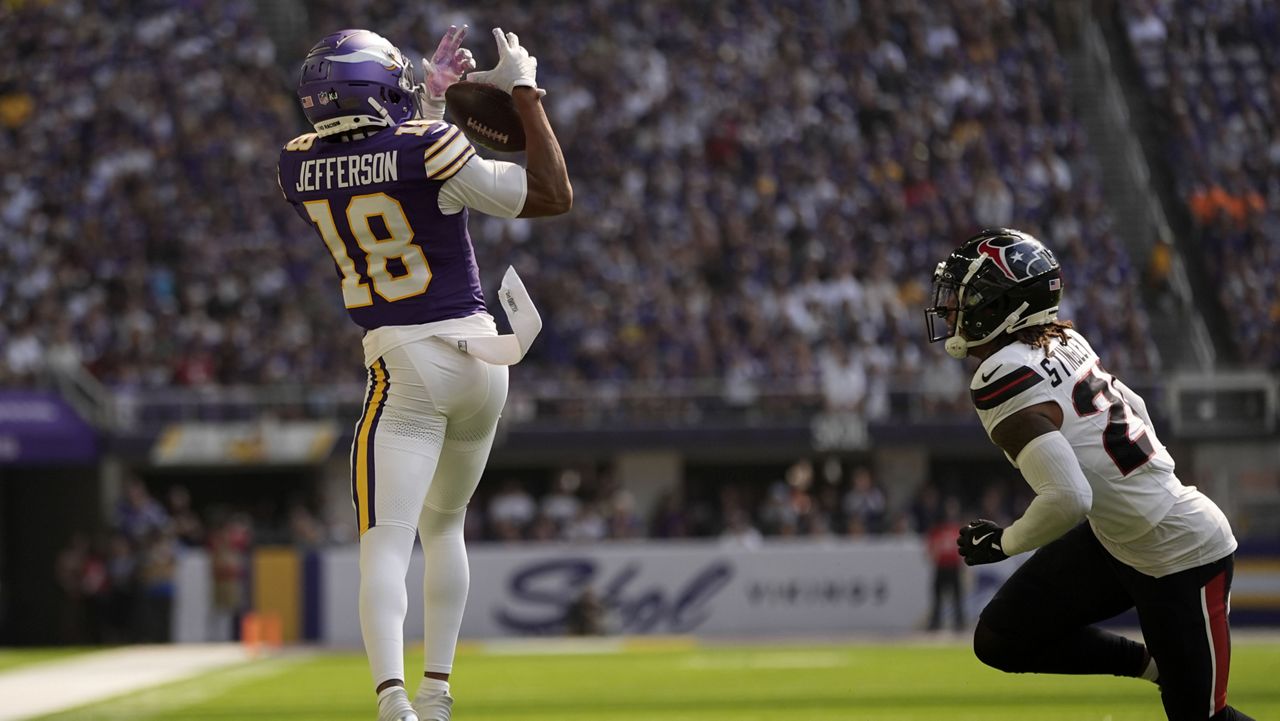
[355, 79]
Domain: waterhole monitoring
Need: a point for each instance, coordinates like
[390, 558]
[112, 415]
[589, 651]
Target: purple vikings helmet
[354, 79]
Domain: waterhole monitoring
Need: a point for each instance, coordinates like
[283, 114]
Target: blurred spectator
[305, 530]
[778, 515]
[122, 598]
[561, 505]
[926, 508]
[864, 504]
[670, 519]
[944, 557]
[941, 375]
[739, 532]
[138, 514]
[185, 523]
[588, 526]
[844, 379]
[229, 543]
[511, 510]
[996, 504]
[992, 202]
[586, 615]
[544, 529]
[1145, 26]
[68, 569]
[624, 521]
[790, 508]
[158, 566]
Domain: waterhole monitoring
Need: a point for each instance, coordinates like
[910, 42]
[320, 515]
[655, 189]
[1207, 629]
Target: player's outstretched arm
[550, 192]
[1032, 437]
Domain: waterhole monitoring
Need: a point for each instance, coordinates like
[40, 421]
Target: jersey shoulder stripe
[449, 152]
[448, 171]
[1004, 388]
[302, 143]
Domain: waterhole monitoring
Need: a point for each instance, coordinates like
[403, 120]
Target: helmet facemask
[972, 301]
[945, 311]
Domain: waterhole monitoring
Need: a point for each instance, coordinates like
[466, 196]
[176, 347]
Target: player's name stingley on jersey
[344, 171]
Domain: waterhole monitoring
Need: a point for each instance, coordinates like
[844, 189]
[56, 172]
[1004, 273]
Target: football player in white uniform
[1114, 527]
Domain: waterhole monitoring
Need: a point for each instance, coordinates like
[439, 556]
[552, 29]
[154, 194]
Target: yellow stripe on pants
[364, 451]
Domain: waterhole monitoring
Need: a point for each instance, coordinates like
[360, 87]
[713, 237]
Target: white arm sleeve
[1063, 495]
[493, 187]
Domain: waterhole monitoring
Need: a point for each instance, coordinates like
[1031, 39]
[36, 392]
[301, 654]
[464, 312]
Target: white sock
[430, 687]
[388, 694]
[444, 587]
[1151, 673]
[384, 600]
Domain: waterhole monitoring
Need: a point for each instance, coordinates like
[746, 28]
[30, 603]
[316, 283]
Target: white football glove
[515, 68]
[447, 66]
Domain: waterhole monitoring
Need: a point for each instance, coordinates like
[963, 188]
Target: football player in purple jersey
[387, 185]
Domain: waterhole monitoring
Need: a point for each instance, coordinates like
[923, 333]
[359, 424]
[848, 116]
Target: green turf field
[729, 683]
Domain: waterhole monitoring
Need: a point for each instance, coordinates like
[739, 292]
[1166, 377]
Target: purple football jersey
[375, 204]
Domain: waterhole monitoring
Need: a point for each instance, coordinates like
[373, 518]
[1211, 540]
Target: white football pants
[420, 447]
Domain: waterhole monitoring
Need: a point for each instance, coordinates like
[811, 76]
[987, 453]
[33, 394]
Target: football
[486, 114]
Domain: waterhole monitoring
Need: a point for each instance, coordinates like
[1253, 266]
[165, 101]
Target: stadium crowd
[762, 189]
[1213, 70]
[117, 585]
[827, 499]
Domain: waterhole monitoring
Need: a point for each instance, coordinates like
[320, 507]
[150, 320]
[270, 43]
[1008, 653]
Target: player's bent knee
[434, 522]
[385, 527]
[997, 650]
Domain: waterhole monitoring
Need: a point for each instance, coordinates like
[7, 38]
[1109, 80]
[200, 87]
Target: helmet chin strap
[382, 111]
[958, 347]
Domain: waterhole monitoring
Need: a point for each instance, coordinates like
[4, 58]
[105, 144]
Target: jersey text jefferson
[345, 171]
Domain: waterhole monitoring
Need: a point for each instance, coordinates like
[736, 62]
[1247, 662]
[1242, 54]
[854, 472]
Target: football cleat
[436, 707]
[393, 705]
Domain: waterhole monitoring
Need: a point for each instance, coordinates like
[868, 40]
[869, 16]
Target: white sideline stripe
[164, 701]
[55, 686]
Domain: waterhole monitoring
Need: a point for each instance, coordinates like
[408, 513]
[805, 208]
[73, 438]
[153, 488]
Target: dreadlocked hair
[1038, 336]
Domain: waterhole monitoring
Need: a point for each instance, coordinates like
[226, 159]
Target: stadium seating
[1214, 73]
[757, 190]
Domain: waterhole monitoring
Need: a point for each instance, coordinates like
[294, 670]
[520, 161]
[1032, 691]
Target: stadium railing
[670, 403]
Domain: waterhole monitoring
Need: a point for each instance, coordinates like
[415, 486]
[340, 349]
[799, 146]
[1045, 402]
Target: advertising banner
[801, 588]
[265, 442]
[39, 428]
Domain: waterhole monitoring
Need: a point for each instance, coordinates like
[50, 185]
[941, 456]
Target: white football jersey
[1141, 512]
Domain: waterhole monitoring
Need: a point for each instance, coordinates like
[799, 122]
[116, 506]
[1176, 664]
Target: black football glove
[979, 543]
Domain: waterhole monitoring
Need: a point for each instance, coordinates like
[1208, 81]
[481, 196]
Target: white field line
[163, 702]
[46, 688]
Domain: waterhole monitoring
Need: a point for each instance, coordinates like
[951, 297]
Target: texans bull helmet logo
[1018, 256]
